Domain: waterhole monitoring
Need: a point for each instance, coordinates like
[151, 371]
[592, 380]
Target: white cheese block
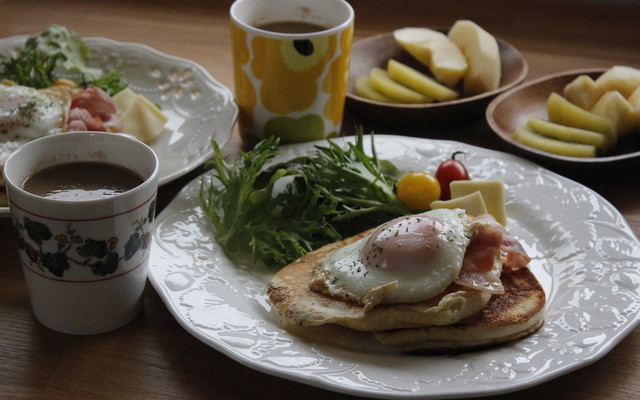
[492, 192]
[139, 116]
[473, 204]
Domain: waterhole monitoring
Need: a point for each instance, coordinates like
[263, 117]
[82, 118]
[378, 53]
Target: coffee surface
[291, 27]
[81, 181]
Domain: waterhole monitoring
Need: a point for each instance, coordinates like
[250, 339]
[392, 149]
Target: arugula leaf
[280, 213]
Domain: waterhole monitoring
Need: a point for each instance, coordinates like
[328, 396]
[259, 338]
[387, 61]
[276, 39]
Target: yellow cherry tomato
[417, 190]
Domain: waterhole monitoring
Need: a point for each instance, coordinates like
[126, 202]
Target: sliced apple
[567, 133]
[381, 82]
[563, 112]
[530, 138]
[419, 82]
[634, 100]
[583, 92]
[434, 49]
[481, 50]
[621, 78]
[364, 88]
[614, 106]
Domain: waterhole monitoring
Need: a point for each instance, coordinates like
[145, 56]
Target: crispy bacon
[92, 109]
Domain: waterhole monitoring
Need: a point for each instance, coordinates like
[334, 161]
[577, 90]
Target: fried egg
[27, 113]
[406, 260]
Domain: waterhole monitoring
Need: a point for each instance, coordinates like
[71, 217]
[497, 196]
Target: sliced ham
[92, 109]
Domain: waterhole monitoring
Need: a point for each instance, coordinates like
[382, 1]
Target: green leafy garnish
[111, 82]
[53, 53]
[275, 215]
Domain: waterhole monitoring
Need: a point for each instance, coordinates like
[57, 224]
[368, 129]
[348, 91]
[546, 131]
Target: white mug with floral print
[84, 261]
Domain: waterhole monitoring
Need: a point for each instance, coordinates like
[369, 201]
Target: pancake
[507, 317]
[295, 304]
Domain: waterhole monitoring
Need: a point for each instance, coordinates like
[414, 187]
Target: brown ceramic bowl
[377, 50]
[515, 106]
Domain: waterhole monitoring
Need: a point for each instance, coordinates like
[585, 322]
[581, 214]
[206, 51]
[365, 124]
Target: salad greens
[52, 52]
[278, 213]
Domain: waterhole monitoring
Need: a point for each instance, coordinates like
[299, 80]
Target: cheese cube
[492, 192]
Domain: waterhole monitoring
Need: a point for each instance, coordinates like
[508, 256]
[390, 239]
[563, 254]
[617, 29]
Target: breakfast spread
[589, 117]
[466, 60]
[435, 281]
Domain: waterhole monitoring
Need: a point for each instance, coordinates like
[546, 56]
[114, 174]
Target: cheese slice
[492, 192]
[472, 203]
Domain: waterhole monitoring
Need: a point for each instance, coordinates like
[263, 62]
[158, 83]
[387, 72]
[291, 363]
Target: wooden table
[153, 357]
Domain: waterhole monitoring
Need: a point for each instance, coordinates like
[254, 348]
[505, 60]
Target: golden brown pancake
[297, 305]
[509, 316]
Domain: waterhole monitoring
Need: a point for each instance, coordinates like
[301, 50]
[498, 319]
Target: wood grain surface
[154, 357]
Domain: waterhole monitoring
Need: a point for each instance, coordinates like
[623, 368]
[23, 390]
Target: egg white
[408, 259]
[27, 113]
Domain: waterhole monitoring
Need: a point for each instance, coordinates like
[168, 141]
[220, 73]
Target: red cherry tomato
[449, 171]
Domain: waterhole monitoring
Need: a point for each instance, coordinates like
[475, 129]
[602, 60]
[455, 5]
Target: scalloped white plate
[200, 109]
[584, 254]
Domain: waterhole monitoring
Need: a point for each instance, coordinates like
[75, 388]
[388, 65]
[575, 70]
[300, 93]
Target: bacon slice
[479, 259]
[515, 256]
[92, 109]
[491, 239]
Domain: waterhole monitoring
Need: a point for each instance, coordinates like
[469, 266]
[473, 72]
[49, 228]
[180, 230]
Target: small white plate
[584, 254]
[200, 109]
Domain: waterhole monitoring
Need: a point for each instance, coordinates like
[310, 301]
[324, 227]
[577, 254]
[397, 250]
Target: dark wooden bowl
[514, 107]
[377, 50]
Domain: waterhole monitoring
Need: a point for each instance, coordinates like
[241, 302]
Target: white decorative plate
[199, 107]
[584, 254]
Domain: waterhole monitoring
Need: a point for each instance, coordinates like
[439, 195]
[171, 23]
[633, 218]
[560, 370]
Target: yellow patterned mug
[291, 61]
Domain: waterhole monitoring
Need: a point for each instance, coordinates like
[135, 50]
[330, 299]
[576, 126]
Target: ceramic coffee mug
[291, 62]
[84, 261]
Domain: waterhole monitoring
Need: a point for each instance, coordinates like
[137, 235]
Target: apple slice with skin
[434, 49]
[364, 88]
[563, 112]
[530, 138]
[381, 82]
[481, 50]
[566, 133]
[419, 82]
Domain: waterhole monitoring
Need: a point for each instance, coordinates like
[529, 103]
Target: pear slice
[432, 48]
[530, 138]
[621, 78]
[583, 92]
[381, 82]
[481, 50]
[563, 112]
[419, 82]
[364, 88]
[567, 133]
